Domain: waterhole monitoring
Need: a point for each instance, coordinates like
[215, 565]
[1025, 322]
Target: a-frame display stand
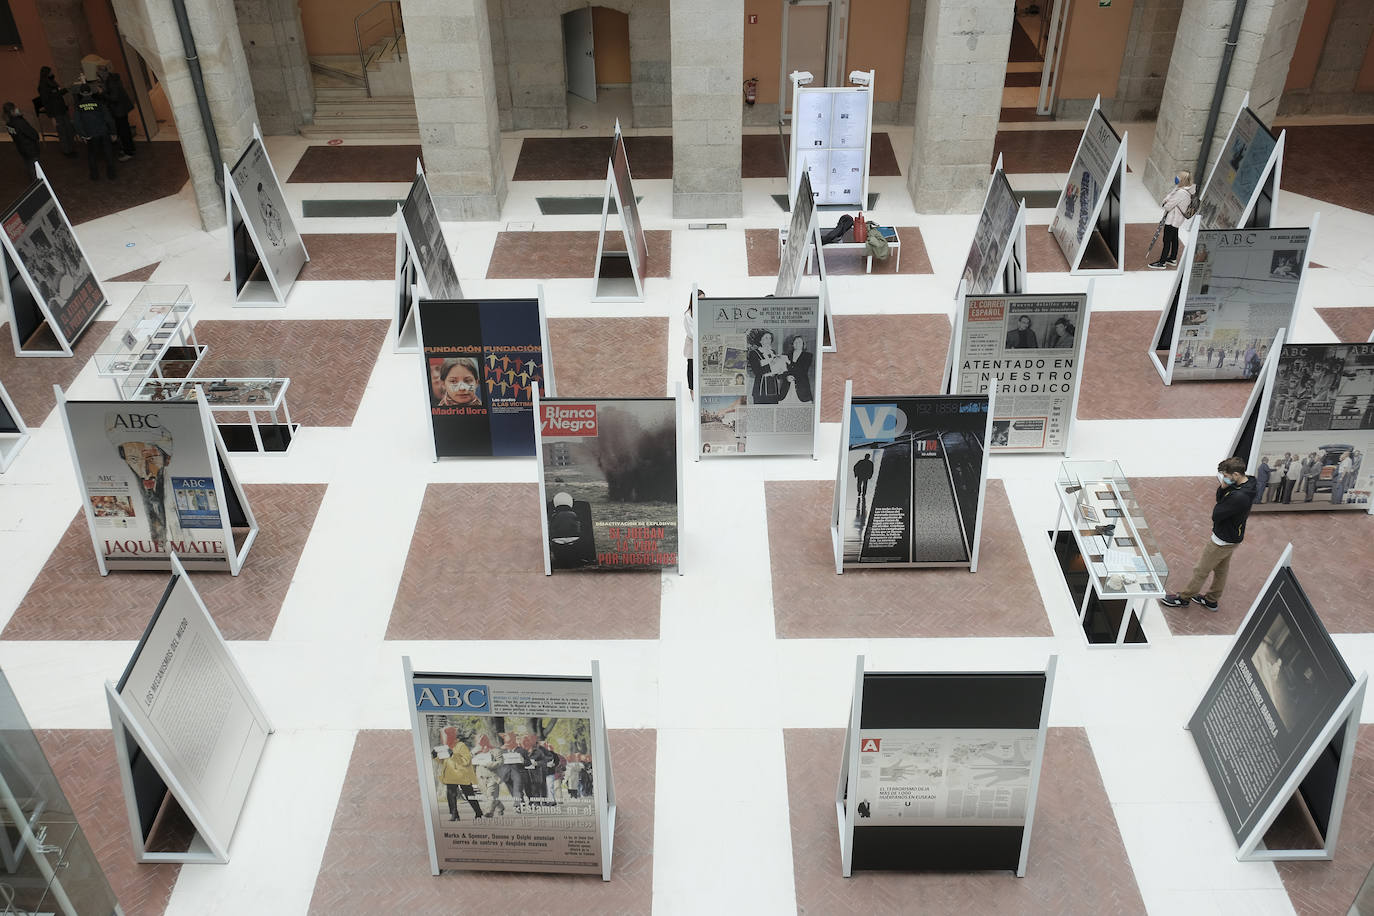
[1245, 441]
[1105, 221]
[930, 710]
[183, 662]
[412, 275]
[30, 312]
[826, 140]
[619, 275]
[266, 252]
[1318, 768]
[1010, 273]
[1259, 209]
[234, 511]
[1169, 331]
[842, 474]
[804, 235]
[13, 432]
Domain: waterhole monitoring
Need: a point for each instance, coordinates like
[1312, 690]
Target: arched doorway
[596, 56]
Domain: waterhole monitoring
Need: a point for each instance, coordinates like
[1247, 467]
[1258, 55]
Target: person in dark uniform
[24, 136]
[50, 96]
[118, 101]
[863, 472]
[94, 125]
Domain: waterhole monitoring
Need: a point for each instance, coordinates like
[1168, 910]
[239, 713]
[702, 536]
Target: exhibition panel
[483, 360]
[1233, 293]
[48, 284]
[13, 432]
[832, 130]
[941, 770]
[1242, 189]
[189, 731]
[1279, 718]
[424, 266]
[620, 273]
[513, 732]
[610, 475]
[997, 256]
[795, 260]
[1088, 223]
[266, 252]
[758, 368]
[926, 460]
[1032, 346]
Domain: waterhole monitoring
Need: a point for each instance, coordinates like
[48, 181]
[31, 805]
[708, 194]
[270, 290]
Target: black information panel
[945, 767]
[1280, 685]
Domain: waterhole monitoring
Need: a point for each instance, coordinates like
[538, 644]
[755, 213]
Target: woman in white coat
[1174, 203]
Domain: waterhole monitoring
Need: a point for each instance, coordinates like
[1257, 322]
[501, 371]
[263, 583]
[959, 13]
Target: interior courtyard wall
[274, 44]
[1342, 80]
[707, 55]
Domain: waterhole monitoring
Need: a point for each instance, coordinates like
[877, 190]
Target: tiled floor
[1037, 151]
[379, 823]
[540, 255]
[609, 357]
[474, 572]
[158, 170]
[140, 275]
[1352, 325]
[98, 802]
[883, 354]
[1077, 862]
[328, 362]
[1120, 381]
[349, 256]
[1044, 256]
[70, 600]
[29, 379]
[761, 248]
[356, 163]
[810, 601]
[1332, 164]
[1330, 556]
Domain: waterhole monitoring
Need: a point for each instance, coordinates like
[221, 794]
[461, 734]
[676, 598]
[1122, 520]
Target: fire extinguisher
[751, 90]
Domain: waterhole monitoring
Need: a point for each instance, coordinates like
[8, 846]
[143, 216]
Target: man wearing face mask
[1235, 496]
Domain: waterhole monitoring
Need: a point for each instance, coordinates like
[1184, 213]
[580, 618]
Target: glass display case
[1109, 553]
[247, 387]
[152, 339]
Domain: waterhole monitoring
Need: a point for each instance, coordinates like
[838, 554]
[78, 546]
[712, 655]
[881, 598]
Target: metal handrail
[397, 32]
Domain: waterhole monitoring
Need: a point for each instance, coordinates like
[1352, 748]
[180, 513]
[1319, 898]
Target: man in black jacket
[94, 124]
[24, 136]
[1235, 496]
[118, 102]
[51, 96]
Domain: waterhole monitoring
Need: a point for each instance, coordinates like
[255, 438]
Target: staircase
[343, 108]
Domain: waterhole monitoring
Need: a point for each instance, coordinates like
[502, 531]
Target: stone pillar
[449, 44]
[1335, 87]
[1154, 23]
[534, 52]
[69, 39]
[911, 66]
[151, 27]
[958, 102]
[1268, 34]
[707, 85]
[651, 63]
[274, 43]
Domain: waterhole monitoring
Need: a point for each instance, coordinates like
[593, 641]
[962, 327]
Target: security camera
[801, 77]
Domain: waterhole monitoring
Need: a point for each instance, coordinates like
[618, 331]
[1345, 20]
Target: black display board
[1264, 713]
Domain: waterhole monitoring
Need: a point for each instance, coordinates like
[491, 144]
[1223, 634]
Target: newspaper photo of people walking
[911, 480]
[759, 370]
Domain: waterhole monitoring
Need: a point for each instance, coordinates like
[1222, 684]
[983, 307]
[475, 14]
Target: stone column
[69, 39]
[958, 101]
[449, 49]
[911, 65]
[274, 44]
[1154, 23]
[707, 86]
[1335, 86]
[1264, 48]
[151, 27]
[651, 63]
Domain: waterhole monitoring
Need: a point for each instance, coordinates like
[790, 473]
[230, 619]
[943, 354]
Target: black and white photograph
[266, 211]
[1286, 671]
[48, 250]
[431, 248]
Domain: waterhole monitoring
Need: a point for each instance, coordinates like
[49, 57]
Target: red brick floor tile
[1043, 254]
[1350, 325]
[475, 570]
[811, 601]
[346, 163]
[545, 255]
[377, 859]
[1319, 888]
[349, 256]
[883, 354]
[29, 379]
[141, 275]
[1035, 151]
[1120, 381]
[1077, 861]
[593, 357]
[71, 600]
[585, 158]
[761, 251]
[84, 762]
[158, 170]
[328, 361]
[1330, 163]
[1330, 555]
